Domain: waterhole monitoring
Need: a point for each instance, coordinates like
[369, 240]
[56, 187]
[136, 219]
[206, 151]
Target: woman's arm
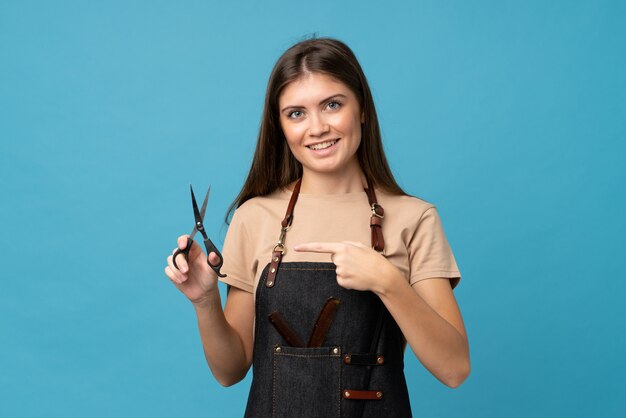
[429, 317]
[426, 313]
[226, 334]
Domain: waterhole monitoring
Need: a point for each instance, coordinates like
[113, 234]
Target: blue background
[509, 116]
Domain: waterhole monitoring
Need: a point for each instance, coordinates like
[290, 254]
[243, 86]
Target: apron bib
[351, 366]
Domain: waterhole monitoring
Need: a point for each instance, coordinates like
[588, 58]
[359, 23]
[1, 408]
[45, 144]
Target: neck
[349, 180]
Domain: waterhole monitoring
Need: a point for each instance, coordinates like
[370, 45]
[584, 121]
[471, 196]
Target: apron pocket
[306, 382]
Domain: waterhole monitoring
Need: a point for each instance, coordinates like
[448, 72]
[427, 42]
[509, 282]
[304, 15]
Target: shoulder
[404, 206]
[261, 206]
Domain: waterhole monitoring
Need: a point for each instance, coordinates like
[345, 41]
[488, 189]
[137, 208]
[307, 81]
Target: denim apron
[354, 368]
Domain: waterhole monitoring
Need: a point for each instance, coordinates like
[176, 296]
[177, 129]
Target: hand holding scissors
[199, 226]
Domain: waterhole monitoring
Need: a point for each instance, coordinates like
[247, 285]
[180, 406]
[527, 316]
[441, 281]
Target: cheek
[293, 134]
[291, 139]
[357, 135]
[349, 125]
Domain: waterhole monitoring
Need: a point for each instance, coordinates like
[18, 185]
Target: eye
[295, 114]
[334, 105]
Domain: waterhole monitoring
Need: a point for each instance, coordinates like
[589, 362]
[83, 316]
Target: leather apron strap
[279, 248]
[376, 221]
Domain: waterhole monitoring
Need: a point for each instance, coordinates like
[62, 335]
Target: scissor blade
[196, 212]
[199, 214]
[206, 199]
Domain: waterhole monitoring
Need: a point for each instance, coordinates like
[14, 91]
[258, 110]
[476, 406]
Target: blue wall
[509, 116]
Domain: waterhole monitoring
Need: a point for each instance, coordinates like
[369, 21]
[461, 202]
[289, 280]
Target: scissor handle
[210, 247]
[184, 252]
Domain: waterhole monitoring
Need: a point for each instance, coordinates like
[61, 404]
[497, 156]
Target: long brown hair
[273, 165]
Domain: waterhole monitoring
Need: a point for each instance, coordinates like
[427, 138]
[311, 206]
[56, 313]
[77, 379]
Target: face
[321, 119]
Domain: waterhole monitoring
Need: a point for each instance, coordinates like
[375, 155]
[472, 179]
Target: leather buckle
[279, 247]
[375, 213]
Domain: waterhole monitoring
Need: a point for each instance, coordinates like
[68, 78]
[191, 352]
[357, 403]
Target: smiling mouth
[323, 145]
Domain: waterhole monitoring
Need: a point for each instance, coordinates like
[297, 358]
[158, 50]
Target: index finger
[319, 247]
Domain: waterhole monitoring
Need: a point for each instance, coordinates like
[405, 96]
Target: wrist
[207, 301]
[391, 280]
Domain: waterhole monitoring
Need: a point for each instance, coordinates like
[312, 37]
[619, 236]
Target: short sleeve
[430, 254]
[237, 255]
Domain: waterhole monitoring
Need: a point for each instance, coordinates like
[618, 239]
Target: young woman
[332, 269]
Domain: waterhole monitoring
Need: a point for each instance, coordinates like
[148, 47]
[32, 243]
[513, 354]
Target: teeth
[322, 145]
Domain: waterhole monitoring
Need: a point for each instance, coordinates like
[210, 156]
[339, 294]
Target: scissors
[208, 245]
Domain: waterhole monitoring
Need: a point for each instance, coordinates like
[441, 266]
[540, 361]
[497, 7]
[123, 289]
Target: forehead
[312, 87]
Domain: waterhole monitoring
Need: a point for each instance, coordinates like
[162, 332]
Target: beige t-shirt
[414, 238]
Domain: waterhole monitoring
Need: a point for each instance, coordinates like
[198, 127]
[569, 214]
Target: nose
[318, 125]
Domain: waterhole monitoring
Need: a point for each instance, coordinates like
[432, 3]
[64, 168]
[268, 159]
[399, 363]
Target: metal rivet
[277, 349]
[273, 270]
[346, 394]
[347, 359]
[270, 283]
[380, 360]
[335, 350]
[379, 395]
[275, 258]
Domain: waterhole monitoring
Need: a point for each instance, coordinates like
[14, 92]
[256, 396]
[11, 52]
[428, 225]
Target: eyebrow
[343, 96]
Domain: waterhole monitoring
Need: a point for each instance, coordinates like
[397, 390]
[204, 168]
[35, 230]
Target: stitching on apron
[313, 269]
[306, 356]
[273, 386]
[340, 389]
